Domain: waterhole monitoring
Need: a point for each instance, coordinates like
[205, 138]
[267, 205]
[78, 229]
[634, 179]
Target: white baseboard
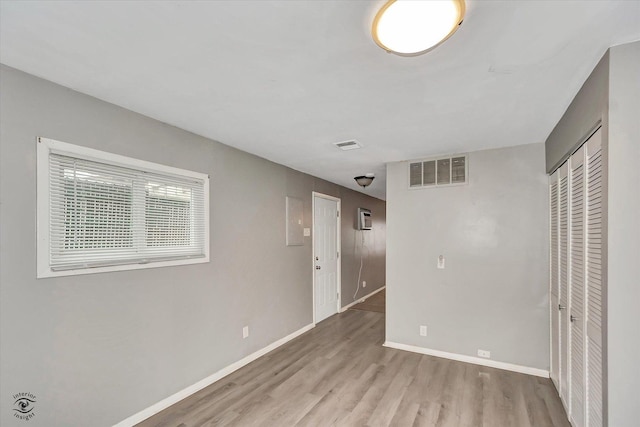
[174, 398]
[359, 300]
[470, 359]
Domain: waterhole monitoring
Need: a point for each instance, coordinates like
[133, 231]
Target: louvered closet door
[594, 247]
[554, 280]
[563, 248]
[577, 287]
[577, 206]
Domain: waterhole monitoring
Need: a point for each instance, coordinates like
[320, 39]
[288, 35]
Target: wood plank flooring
[376, 302]
[338, 374]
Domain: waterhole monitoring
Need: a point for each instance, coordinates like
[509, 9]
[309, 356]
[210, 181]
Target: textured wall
[98, 348]
[587, 108]
[624, 236]
[493, 232]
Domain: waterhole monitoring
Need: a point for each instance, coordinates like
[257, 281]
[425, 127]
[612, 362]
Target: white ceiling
[286, 79]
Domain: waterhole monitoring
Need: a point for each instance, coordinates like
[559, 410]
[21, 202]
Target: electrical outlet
[441, 262]
[245, 332]
[364, 283]
[423, 330]
[484, 353]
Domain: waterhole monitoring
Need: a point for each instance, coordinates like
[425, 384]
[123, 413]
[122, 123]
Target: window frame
[45, 147]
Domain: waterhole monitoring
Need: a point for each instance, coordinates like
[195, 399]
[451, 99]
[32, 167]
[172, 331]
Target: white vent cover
[348, 145]
[450, 170]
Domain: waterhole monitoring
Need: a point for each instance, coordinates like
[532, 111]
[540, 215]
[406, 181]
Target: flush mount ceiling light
[364, 180]
[413, 27]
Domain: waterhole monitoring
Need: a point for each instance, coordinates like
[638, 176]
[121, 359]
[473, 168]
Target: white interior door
[577, 287]
[554, 281]
[563, 247]
[325, 251]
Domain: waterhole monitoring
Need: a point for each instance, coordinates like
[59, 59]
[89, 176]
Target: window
[444, 171]
[103, 212]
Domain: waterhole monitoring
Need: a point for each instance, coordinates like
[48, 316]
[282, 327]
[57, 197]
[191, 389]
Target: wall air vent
[348, 145]
[443, 171]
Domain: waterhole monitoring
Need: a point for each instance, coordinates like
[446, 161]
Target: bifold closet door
[563, 278]
[595, 206]
[577, 202]
[577, 287]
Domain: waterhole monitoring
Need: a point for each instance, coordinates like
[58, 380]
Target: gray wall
[493, 293]
[587, 108]
[98, 348]
[624, 236]
[372, 252]
[612, 95]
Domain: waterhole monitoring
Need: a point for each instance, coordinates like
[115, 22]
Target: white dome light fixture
[364, 180]
[414, 27]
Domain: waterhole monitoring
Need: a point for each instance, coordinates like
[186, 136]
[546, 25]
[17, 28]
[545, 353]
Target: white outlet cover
[245, 332]
[423, 331]
[441, 262]
[364, 283]
[306, 232]
[484, 353]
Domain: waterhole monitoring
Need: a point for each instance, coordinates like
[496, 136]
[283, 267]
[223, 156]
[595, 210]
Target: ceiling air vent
[348, 145]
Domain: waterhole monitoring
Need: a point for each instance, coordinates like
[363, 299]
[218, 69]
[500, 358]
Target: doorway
[326, 256]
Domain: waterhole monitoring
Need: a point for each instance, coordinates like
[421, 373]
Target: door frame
[315, 194]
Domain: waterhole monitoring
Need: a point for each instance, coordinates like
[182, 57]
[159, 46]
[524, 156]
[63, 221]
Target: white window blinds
[110, 213]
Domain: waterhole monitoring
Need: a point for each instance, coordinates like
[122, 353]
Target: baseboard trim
[469, 359]
[359, 300]
[174, 398]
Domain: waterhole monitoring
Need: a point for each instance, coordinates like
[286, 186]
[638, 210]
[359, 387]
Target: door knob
[573, 318]
[561, 307]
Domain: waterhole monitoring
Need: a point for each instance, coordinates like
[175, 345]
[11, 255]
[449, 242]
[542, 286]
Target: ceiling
[286, 79]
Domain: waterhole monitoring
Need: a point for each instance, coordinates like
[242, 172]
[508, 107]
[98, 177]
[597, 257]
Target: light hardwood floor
[339, 374]
[376, 302]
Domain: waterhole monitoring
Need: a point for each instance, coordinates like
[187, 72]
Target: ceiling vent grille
[348, 145]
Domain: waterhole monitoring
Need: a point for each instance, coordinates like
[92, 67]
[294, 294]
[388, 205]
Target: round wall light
[414, 27]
